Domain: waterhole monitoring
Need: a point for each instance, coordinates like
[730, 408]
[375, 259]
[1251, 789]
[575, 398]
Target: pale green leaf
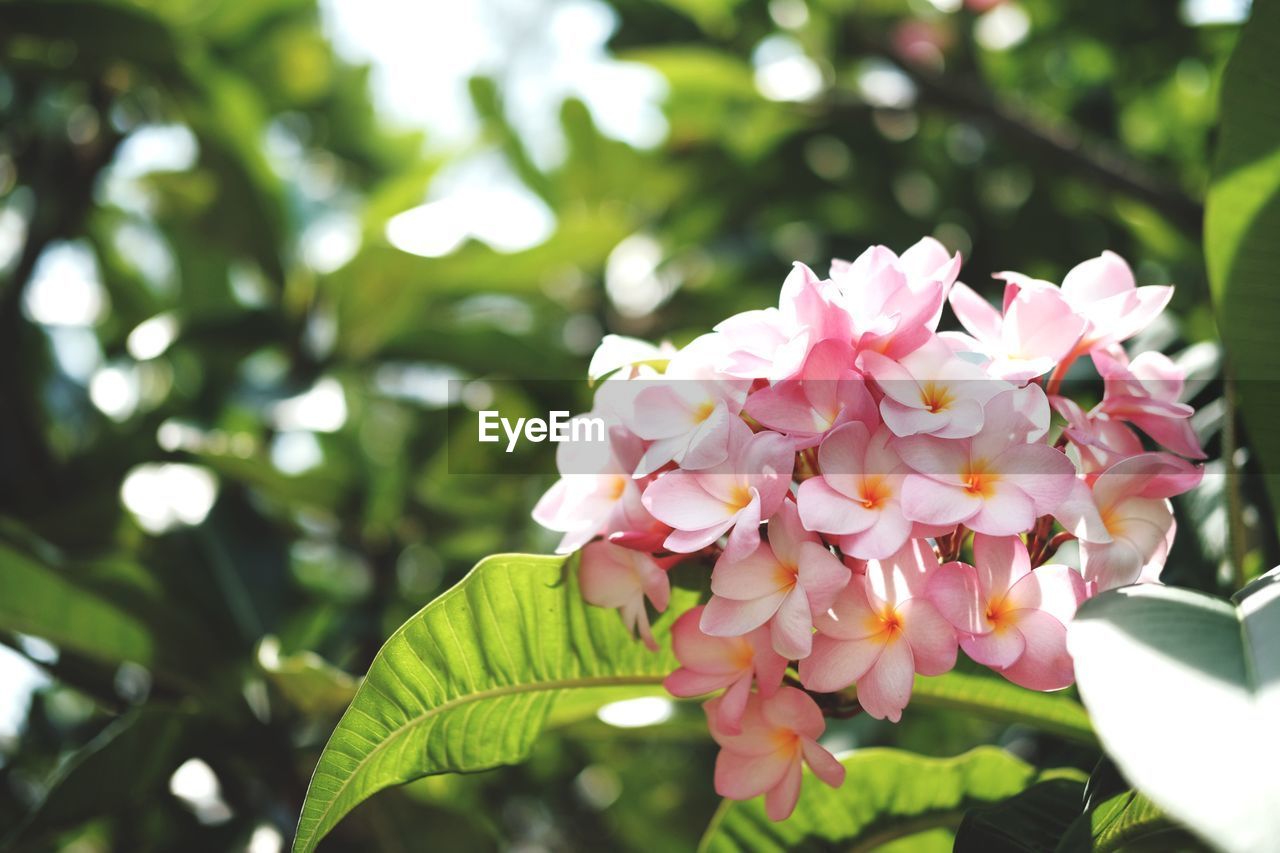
[1184, 690]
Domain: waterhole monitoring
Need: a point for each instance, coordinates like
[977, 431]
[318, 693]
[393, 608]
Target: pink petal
[933, 640]
[894, 380]
[907, 420]
[1005, 510]
[1000, 562]
[835, 664]
[780, 800]
[1040, 324]
[1079, 514]
[1011, 418]
[678, 499]
[745, 536]
[824, 509]
[733, 705]
[954, 590]
[841, 457]
[608, 576]
[1044, 474]
[1098, 278]
[786, 534]
[1174, 433]
[770, 667]
[932, 502]
[785, 407]
[886, 688]
[708, 444]
[686, 683]
[823, 763]
[902, 575]
[1045, 664]
[821, 575]
[1057, 590]
[725, 617]
[850, 617]
[1111, 565]
[883, 538]
[999, 648]
[1147, 475]
[792, 626]
[793, 709]
[757, 575]
[703, 653]
[741, 777]
[767, 463]
[938, 459]
[977, 315]
[689, 541]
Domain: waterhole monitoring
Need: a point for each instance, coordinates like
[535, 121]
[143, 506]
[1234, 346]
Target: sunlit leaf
[887, 794]
[1242, 220]
[468, 683]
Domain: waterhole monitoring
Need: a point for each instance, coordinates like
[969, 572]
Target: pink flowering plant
[873, 493]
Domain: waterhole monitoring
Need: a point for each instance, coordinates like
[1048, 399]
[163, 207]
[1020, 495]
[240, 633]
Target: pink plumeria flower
[779, 734]
[708, 664]
[613, 576]
[857, 498]
[1103, 291]
[1145, 393]
[773, 343]
[685, 414]
[1036, 332]
[826, 393]
[894, 303]
[1131, 499]
[1098, 441]
[732, 497]
[784, 583]
[997, 482]
[597, 495]
[931, 391]
[880, 632]
[1009, 617]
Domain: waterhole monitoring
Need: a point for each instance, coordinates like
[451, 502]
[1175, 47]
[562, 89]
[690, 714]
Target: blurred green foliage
[233, 636]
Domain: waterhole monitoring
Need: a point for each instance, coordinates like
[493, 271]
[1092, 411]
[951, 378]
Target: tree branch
[1059, 143]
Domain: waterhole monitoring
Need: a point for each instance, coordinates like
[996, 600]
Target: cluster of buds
[874, 494]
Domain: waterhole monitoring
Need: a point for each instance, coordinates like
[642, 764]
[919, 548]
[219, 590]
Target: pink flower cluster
[839, 459]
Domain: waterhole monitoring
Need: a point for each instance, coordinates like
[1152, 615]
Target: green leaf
[1050, 817]
[142, 747]
[1032, 821]
[1242, 219]
[309, 682]
[1184, 690]
[1130, 822]
[72, 606]
[469, 682]
[987, 695]
[887, 794]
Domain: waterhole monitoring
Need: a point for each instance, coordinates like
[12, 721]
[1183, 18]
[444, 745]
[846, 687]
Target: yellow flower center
[980, 482]
[936, 397]
[875, 491]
